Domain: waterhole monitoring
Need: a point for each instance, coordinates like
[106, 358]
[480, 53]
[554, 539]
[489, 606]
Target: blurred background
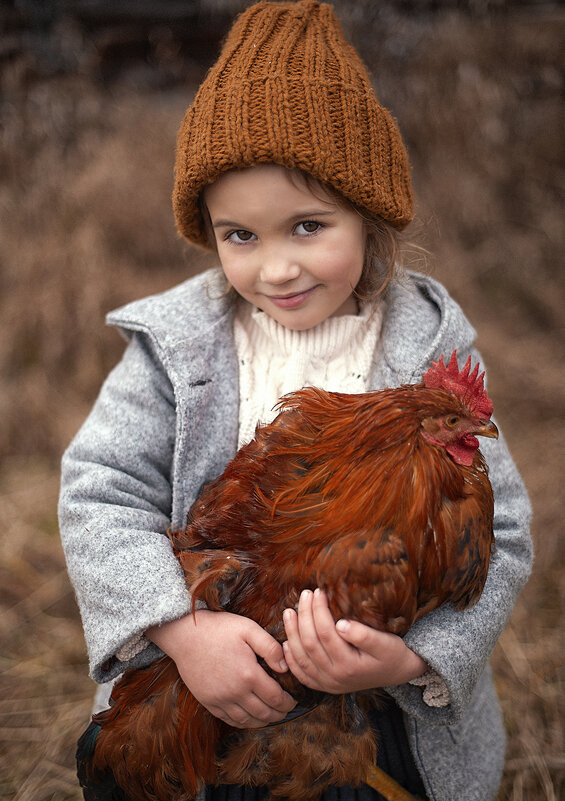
[92, 94]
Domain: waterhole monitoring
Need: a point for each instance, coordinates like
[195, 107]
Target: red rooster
[382, 500]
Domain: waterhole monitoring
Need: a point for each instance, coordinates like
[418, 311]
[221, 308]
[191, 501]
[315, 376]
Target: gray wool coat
[165, 423]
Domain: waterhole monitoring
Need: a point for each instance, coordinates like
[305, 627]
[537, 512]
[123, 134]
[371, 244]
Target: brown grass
[84, 197]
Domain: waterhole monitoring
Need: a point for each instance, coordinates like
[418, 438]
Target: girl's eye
[240, 236]
[308, 227]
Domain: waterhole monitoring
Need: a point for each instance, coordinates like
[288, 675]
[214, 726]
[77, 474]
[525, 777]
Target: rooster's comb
[467, 384]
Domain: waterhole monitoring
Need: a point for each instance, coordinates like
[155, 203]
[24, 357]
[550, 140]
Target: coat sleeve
[457, 645]
[114, 510]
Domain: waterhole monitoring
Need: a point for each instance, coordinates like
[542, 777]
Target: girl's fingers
[269, 694]
[325, 625]
[263, 702]
[307, 626]
[371, 641]
[312, 647]
[293, 645]
[296, 664]
[396, 662]
[329, 648]
[361, 636]
[235, 715]
[295, 652]
[250, 714]
[263, 644]
[312, 641]
[221, 669]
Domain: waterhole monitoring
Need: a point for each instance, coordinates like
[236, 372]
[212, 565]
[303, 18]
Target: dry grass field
[85, 181]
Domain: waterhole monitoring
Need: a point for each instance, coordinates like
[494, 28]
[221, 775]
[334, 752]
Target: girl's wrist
[171, 637]
[413, 667]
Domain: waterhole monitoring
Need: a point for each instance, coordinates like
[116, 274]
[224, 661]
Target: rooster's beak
[486, 428]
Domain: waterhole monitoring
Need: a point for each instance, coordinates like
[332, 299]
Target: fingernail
[305, 594]
[343, 625]
[287, 615]
[282, 664]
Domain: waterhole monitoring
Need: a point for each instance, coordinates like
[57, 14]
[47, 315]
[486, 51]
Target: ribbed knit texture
[336, 355]
[288, 88]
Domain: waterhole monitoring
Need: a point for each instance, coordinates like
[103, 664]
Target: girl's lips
[291, 301]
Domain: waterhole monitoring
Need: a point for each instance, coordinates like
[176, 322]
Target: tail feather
[155, 740]
[98, 786]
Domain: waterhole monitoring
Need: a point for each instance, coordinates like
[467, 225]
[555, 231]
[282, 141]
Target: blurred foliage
[86, 166]
[91, 96]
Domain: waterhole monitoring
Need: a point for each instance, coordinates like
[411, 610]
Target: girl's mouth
[292, 301]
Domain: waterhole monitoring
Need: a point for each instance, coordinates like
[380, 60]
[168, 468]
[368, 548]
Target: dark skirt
[393, 756]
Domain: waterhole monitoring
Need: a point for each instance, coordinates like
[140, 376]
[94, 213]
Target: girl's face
[294, 254]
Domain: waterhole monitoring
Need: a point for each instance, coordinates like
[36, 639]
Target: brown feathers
[380, 499]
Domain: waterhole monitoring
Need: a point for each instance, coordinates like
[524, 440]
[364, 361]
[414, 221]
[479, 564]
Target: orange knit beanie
[289, 89]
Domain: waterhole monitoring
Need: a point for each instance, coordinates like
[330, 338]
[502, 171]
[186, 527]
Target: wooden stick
[387, 786]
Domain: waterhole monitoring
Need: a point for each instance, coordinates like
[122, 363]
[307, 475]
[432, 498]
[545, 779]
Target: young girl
[290, 169]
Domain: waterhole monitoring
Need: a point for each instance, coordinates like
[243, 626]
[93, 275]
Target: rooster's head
[467, 412]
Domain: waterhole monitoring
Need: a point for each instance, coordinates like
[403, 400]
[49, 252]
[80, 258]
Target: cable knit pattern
[336, 355]
[288, 88]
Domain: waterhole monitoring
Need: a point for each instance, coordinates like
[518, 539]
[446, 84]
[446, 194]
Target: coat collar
[195, 320]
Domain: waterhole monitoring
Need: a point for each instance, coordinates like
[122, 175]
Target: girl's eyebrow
[228, 224]
[302, 215]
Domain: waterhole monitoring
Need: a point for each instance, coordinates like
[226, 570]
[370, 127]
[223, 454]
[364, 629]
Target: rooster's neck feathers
[369, 440]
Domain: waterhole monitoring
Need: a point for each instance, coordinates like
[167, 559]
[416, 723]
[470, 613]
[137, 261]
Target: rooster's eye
[452, 421]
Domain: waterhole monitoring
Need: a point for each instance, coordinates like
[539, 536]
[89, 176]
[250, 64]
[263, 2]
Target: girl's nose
[278, 268]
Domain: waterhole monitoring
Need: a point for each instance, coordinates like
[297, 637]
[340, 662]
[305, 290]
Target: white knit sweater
[335, 355]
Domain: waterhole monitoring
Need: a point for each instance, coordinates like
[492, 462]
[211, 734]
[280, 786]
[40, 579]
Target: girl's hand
[345, 656]
[216, 656]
